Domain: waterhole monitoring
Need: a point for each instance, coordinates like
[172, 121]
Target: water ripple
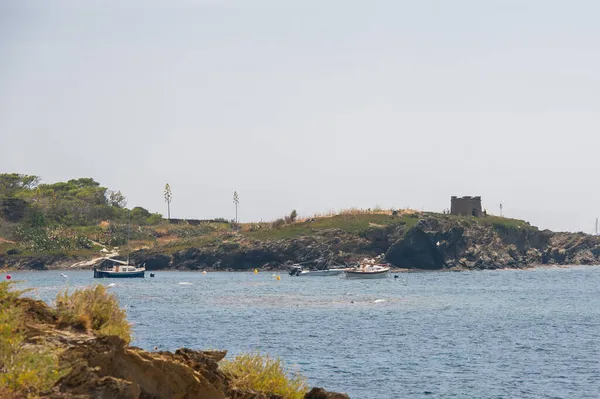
[493, 334]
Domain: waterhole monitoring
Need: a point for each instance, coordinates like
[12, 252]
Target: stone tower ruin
[466, 206]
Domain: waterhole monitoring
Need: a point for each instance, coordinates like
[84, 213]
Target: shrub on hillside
[264, 374]
[154, 219]
[278, 223]
[51, 239]
[13, 251]
[93, 308]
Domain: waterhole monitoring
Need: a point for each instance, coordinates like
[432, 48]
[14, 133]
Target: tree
[37, 218]
[139, 213]
[13, 209]
[84, 182]
[293, 216]
[115, 198]
[168, 198]
[236, 201]
[11, 182]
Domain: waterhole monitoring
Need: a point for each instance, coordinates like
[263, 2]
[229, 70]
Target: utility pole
[596, 226]
[501, 210]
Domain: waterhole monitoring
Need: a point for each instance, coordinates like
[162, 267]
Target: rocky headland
[433, 243]
[410, 240]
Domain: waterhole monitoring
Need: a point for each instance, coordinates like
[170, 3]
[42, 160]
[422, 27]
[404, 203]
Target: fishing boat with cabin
[114, 268]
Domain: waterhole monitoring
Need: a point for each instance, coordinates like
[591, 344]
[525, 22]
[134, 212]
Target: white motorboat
[368, 269]
[297, 270]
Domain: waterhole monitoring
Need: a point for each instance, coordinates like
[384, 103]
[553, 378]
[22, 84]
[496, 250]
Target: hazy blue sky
[312, 105]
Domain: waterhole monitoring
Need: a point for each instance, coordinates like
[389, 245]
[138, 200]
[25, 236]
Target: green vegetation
[357, 223]
[64, 217]
[79, 217]
[264, 374]
[187, 243]
[24, 369]
[93, 308]
[51, 239]
[77, 202]
[506, 223]
[496, 222]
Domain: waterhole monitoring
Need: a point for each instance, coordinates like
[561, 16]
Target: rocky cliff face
[426, 241]
[440, 243]
[434, 243]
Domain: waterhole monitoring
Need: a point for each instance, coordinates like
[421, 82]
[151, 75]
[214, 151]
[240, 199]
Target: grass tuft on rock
[25, 369]
[93, 308]
[263, 373]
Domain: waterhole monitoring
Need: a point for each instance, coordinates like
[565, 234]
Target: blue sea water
[485, 334]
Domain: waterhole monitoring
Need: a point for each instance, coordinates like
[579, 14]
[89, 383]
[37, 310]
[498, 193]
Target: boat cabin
[116, 265]
[125, 268]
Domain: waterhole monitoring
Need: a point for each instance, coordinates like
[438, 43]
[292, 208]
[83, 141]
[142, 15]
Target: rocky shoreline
[433, 242]
[106, 366]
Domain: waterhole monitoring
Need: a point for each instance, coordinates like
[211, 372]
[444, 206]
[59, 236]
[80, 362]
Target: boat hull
[321, 273]
[367, 275]
[108, 274]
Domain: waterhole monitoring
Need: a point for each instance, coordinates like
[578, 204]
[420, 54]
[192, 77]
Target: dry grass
[25, 369]
[93, 308]
[357, 211]
[264, 374]
[351, 222]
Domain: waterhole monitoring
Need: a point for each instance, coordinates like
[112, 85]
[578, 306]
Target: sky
[314, 105]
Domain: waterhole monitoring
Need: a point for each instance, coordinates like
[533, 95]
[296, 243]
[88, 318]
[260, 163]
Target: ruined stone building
[466, 206]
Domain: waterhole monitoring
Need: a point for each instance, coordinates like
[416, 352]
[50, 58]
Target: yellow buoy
[278, 277]
[255, 271]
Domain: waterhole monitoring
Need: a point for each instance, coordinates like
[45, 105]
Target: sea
[483, 334]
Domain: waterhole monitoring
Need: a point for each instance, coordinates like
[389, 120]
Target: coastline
[408, 243]
[285, 271]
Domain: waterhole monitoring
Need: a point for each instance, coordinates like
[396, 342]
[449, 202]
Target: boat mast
[128, 236]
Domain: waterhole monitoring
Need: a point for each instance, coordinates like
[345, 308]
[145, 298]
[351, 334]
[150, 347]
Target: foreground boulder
[106, 367]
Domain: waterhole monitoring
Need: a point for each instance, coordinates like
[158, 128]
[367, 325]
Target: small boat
[298, 271]
[368, 269]
[113, 268]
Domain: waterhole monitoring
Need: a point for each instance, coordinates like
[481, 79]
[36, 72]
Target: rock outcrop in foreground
[106, 367]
